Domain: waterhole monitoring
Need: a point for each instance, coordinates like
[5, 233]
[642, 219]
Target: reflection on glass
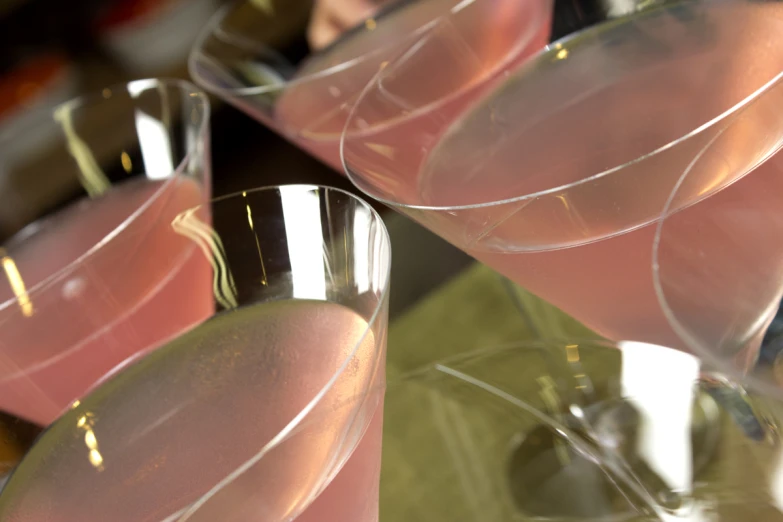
[557, 178]
[309, 102]
[665, 412]
[718, 264]
[302, 215]
[626, 432]
[91, 274]
[16, 283]
[271, 408]
[201, 233]
[155, 149]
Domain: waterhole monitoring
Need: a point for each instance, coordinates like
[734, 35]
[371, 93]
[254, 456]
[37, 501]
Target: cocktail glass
[272, 402]
[718, 259]
[309, 102]
[90, 274]
[558, 177]
[578, 431]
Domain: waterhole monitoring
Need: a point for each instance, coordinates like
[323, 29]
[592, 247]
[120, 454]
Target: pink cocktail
[270, 410]
[558, 178]
[718, 265]
[309, 104]
[98, 276]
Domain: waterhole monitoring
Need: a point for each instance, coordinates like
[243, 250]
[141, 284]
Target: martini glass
[558, 177]
[718, 263]
[578, 431]
[272, 402]
[309, 102]
[90, 275]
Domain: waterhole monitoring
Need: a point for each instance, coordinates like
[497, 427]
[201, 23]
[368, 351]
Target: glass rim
[376, 217]
[300, 417]
[542, 57]
[290, 428]
[722, 364]
[93, 99]
[223, 12]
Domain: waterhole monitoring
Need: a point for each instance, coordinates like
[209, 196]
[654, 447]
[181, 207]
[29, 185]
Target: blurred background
[54, 51]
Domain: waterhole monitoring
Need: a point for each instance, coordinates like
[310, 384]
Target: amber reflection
[86, 424]
[223, 287]
[127, 164]
[91, 176]
[17, 283]
[264, 280]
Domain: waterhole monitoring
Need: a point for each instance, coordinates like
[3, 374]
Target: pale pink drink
[718, 265]
[127, 299]
[99, 275]
[270, 410]
[557, 178]
[310, 104]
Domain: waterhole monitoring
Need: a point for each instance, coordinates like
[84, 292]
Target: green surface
[473, 311]
[448, 445]
[427, 425]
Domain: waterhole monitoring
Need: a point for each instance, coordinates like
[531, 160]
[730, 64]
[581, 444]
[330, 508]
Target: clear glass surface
[578, 431]
[558, 177]
[272, 402]
[309, 102]
[90, 274]
[718, 261]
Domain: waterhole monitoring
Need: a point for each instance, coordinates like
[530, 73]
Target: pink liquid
[486, 36]
[352, 496]
[588, 248]
[174, 429]
[719, 267]
[142, 286]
